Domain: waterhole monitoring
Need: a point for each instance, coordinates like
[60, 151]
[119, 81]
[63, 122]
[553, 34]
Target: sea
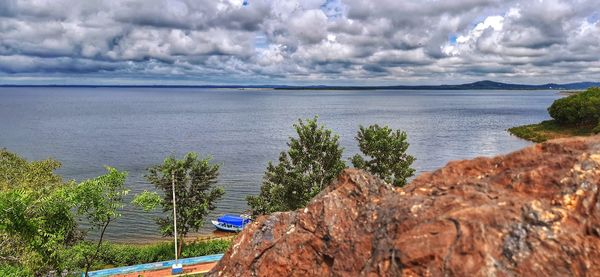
[87, 128]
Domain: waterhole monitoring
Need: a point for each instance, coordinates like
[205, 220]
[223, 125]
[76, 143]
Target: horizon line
[483, 84]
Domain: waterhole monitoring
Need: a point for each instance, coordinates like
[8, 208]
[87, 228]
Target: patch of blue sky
[452, 39]
[334, 9]
[261, 41]
[594, 18]
[477, 20]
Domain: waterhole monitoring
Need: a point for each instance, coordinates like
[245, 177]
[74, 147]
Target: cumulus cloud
[276, 41]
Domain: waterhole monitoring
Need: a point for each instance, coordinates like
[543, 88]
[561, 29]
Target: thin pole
[174, 213]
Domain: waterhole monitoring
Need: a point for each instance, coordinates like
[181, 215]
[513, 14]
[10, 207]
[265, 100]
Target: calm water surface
[134, 128]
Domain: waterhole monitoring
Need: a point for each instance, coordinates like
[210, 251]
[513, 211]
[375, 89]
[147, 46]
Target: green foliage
[38, 230]
[596, 129]
[16, 172]
[313, 161]
[7, 270]
[531, 132]
[387, 151]
[100, 201]
[545, 130]
[206, 248]
[35, 213]
[147, 200]
[194, 189]
[578, 109]
[123, 255]
[37, 216]
[116, 254]
[41, 225]
[575, 115]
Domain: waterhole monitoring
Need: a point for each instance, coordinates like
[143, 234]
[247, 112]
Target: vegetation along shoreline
[41, 211]
[575, 115]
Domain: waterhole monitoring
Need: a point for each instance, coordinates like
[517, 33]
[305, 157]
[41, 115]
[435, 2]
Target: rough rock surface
[535, 212]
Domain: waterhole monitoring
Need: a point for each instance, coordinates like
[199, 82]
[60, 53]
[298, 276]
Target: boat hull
[222, 227]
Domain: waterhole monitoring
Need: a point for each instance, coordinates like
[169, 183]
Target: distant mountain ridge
[480, 85]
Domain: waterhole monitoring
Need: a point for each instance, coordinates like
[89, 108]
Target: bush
[386, 152]
[596, 129]
[313, 160]
[116, 255]
[36, 218]
[13, 271]
[579, 109]
[206, 248]
[192, 180]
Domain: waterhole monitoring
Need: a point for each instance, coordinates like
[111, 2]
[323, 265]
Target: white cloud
[317, 40]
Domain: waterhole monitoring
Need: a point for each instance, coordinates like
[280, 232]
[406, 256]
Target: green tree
[16, 172]
[35, 213]
[386, 150]
[582, 109]
[313, 161]
[100, 200]
[147, 200]
[195, 193]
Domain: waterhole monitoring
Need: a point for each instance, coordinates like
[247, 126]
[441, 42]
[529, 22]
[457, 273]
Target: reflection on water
[134, 128]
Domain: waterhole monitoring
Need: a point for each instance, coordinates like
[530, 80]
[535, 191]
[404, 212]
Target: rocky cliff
[534, 212]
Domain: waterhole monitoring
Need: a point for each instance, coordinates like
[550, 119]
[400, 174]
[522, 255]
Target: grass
[117, 254]
[550, 129]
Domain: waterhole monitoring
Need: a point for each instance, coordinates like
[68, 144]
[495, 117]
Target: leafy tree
[581, 109]
[147, 200]
[100, 201]
[16, 172]
[35, 213]
[195, 193]
[313, 161]
[387, 151]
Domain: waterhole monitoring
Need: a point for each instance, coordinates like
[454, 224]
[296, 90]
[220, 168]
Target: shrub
[35, 213]
[312, 161]
[579, 109]
[7, 270]
[386, 152]
[193, 180]
[126, 254]
[116, 254]
[596, 129]
[206, 248]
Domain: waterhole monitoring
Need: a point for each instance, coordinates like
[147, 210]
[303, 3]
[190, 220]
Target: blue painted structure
[154, 266]
[230, 223]
[234, 220]
[176, 269]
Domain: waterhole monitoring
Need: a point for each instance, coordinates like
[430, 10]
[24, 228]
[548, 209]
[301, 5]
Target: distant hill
[481, 85]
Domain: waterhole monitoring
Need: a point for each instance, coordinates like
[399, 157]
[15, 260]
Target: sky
[347, 42]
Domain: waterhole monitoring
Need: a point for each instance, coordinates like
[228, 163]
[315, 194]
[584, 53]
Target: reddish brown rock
[534, 212]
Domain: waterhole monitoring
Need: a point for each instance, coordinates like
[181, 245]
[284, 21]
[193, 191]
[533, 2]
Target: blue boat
[231, 223]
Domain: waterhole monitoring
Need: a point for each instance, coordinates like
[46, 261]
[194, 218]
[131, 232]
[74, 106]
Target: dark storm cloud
[26, 64]
[374, 68]
[298, 41]
[7, 8]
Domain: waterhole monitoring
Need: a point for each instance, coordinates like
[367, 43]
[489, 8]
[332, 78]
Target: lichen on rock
[534, 212]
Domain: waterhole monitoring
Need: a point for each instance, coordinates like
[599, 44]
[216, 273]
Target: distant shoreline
[549, 129]
[481, 85]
